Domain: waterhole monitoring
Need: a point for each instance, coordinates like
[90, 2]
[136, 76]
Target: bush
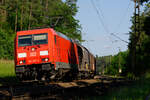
[6, 44]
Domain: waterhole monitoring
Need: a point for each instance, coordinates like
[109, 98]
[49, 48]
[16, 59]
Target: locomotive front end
[32, 49]
[31, 53]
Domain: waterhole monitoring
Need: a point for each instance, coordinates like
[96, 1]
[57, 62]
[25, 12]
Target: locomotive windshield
[35, 39]
[40, 39]
[25, 40]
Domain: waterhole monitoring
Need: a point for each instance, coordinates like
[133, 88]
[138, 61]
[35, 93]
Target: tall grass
[7, 68]
[7, 73]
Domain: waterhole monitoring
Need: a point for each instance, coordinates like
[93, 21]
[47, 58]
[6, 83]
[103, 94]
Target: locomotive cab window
[35, 39]
[40, 39]
[25, 40]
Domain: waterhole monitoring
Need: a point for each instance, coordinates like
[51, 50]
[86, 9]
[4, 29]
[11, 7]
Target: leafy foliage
[111, 64]
[144, 1]
[102, 63]
[6, 45]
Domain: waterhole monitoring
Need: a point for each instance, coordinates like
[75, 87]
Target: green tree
[142, 48]
[119, 62]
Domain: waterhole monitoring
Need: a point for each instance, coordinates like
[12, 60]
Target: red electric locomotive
[45, 53]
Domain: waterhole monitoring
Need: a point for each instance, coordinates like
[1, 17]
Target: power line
[102, 14]
[121, 21]
[119, 38]
[123, 16]
[99, 16]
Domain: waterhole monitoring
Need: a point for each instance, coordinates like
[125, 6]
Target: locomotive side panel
[66, 53]
[61, 54]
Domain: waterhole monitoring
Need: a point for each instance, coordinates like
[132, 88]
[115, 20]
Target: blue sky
[115, 14]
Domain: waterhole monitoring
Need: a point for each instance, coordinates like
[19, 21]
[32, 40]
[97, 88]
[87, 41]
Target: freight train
[44, 54]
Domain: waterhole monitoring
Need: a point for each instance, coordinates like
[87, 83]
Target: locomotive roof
[34, 31]
[63, 36]
[44, 30]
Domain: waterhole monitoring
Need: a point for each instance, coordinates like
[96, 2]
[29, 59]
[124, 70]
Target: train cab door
[57, 53]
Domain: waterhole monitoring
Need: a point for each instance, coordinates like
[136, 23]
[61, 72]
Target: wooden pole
[136, 34]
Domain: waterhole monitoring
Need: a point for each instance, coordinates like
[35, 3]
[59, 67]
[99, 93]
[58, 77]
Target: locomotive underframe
[35, 71]
[45, 71]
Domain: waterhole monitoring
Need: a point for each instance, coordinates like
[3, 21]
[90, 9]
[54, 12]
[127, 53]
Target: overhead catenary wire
[118, 37]
[102, 15]
[101, 11]
[122, 18]
[99, 16]
[121, 21]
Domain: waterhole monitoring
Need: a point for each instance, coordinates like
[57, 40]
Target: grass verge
[7, 72]
[6, 69]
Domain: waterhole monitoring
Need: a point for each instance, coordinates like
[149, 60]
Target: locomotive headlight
[33, 49]
[43, 53]
[21, 55]
[46, 59]
[21, 62]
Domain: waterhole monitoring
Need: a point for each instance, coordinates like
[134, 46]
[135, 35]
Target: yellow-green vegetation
[7, 68]
[7, 73]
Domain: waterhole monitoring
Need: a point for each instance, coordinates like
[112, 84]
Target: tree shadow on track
[78, 90]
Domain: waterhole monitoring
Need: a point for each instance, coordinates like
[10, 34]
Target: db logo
[33, 54]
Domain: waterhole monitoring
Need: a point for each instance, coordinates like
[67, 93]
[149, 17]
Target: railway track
[60, 90]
